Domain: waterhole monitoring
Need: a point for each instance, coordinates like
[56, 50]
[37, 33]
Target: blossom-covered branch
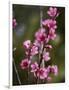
[41, 46]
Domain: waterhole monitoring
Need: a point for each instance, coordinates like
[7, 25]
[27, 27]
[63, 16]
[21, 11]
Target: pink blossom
[47, 40]
[48, 46]
[51, 24]
[14, 23]
[25, 63]
[46, 56]
[34, 67]
[49, 69]
[49, 79]
[42, 73]
[45, 22]
[40, 35]
[27, 44]
[37, 43]
[54, 69]
[52, 12]
[52, 35]
[34, 50]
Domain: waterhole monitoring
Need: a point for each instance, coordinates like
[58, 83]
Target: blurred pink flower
[52, 35]
[48, 46]
[52, 12]
[14, 23]
[51, 24]
[25, 63]
[27, 44]
[34, 50]
[37, 43]
[46, 56]
[34, 67]
[45, 22]
[42, 73]
[54, 69]
[49, 78]
[40, 35]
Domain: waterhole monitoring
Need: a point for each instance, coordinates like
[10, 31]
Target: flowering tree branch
[45, 33]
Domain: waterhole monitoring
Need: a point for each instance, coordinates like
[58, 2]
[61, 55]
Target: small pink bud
[46, 56]
[49, 79]
[55, 70]
[27, 44]
[14, 23]
[49, 46]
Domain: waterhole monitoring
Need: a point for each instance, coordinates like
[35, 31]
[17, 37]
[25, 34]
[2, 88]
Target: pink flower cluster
[41, 47]
[14, 23]
[52, 12]
[43, 73]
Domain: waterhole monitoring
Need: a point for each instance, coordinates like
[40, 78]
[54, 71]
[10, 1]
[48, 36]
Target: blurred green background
[28, 22]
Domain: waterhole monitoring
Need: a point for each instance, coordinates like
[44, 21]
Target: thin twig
[42, 46]
[16, 72]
